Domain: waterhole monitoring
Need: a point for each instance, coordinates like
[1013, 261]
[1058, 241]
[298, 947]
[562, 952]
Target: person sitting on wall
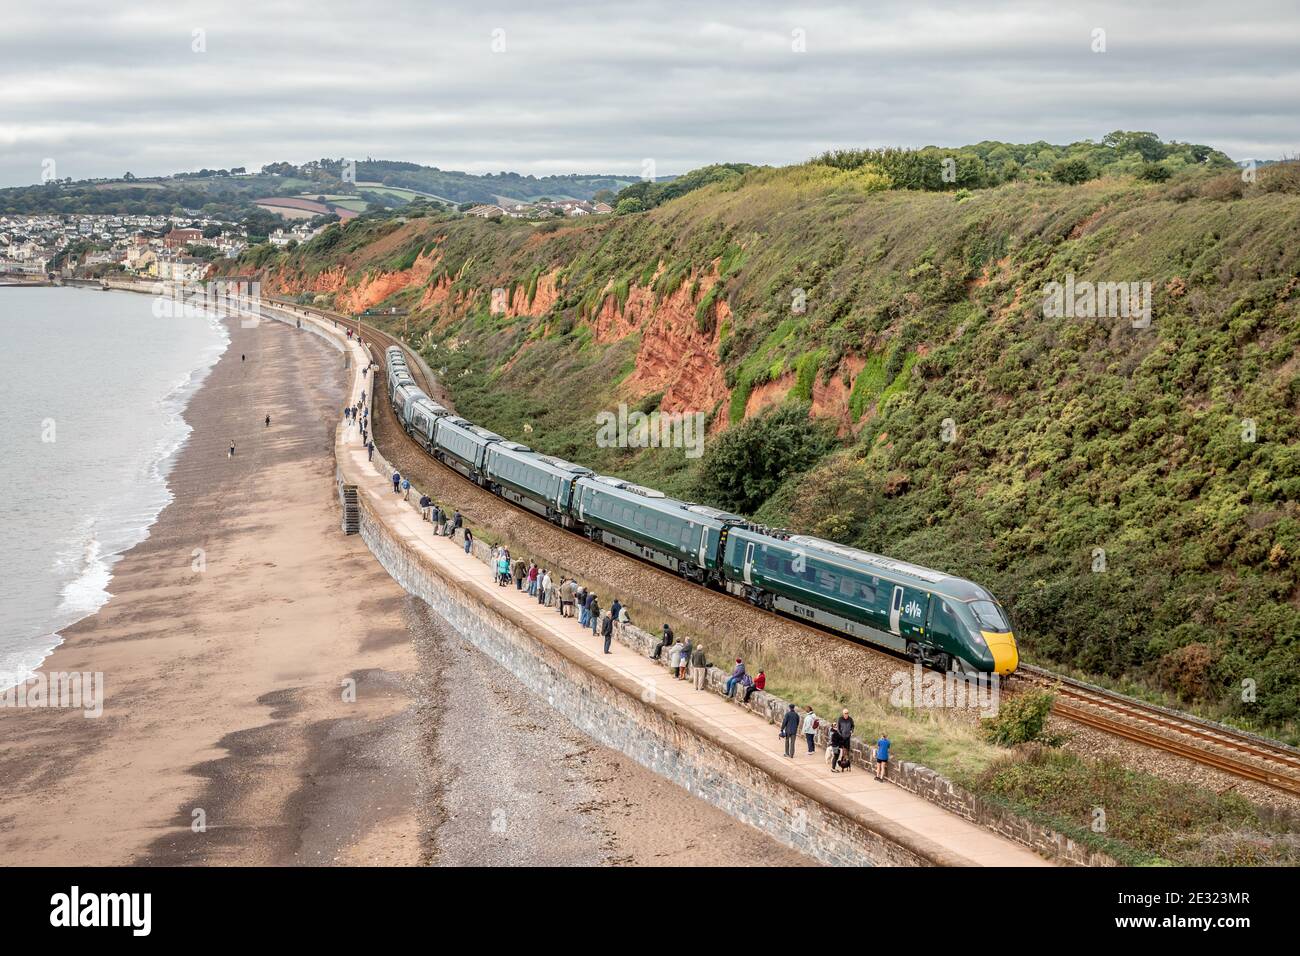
[665, 640]
[737, 673]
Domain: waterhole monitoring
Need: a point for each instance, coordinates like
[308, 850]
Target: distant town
[181, 248]
[163, 247]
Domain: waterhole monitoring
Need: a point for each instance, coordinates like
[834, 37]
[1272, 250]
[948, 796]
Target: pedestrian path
[746, 733]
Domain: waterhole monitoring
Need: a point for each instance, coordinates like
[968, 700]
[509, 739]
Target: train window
[827, 581]
[868, 593]
[990, 616]
[665, 528]
[847, 586]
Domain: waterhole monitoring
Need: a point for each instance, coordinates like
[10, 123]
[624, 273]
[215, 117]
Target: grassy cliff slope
[1130, 493]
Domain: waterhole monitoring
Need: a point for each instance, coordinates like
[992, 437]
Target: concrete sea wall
[623, 715]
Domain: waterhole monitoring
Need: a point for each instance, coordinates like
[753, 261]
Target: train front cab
[975, 631]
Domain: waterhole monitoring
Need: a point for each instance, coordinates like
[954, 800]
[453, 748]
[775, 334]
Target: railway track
[1204, 742]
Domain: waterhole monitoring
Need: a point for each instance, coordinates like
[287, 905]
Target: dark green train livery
[933, 617]
[674, 534]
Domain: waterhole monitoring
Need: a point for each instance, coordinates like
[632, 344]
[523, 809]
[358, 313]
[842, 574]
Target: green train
[935, 618]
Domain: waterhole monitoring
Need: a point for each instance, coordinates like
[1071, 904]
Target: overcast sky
[556, 86]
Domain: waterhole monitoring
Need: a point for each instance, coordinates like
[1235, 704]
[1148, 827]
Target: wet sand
[226, 704]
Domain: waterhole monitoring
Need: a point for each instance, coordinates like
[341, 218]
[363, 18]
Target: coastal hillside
[877, 365]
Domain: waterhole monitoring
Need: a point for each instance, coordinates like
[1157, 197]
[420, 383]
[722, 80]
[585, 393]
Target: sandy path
[223, 688]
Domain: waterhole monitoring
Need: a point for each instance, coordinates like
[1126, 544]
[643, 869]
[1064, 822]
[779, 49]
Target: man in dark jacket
[607, 627]
[789, 730]
[665, 640]
[845, 726]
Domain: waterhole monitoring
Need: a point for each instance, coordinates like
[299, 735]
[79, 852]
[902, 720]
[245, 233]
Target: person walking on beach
[232, 449]
[242, 356]
[268, 421]
[810, 725]
[789, 730]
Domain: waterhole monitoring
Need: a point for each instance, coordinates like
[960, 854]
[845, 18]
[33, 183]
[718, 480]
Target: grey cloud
[598, 87]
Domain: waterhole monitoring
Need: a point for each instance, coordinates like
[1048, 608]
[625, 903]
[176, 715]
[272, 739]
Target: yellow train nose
[1006, 658]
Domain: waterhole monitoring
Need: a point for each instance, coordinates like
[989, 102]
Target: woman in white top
[810, 723]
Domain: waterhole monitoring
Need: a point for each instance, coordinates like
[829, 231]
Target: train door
[749, 562]
[895, 606]
[704, 538]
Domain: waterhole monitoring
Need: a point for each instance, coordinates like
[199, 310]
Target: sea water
[93, 387]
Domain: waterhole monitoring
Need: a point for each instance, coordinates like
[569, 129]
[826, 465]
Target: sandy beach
[230, 649]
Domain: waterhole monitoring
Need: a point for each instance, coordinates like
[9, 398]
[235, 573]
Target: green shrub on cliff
[745, 464]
